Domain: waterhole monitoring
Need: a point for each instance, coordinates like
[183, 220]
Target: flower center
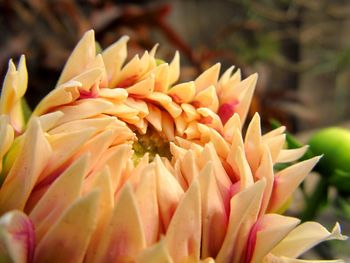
[152, 143]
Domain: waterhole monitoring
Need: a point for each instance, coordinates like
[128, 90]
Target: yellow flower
[120, 164]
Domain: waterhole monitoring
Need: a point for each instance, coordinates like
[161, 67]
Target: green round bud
[334, 144]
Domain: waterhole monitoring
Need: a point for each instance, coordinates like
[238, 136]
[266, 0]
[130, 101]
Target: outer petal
[245, 204]
[6, 137]
[68, 238]
[214, 218]
[253, 144]
[290, 155]
[183, 237]
[83, 54]
[287, 180]
[30, 162]
[63, 94]
[14, 87]
[273, 259]
[123, 236]
[169, 192]
[114, 57]
[105, 207]
[266, 234]
[146, 196]
[50, 207]
[17, 238]
[304, 237]
[208, 78]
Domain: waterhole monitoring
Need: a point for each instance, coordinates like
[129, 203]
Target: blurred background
[300, 48]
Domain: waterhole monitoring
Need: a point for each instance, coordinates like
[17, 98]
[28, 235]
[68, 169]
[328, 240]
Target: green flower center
[152, 143]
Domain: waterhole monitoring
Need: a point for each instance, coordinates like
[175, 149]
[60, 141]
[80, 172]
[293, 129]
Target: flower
[120, 164]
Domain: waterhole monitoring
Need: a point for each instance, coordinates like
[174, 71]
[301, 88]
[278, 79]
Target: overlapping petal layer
[119, 163]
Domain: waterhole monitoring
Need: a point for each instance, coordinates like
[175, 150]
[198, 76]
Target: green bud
[334, 144]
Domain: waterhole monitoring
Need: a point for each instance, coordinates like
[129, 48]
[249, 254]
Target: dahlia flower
[120, 163]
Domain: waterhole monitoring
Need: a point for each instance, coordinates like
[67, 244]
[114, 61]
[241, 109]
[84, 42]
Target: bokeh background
[300, 48]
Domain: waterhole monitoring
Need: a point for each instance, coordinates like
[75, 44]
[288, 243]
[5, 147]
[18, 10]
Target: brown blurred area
[300, 48]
